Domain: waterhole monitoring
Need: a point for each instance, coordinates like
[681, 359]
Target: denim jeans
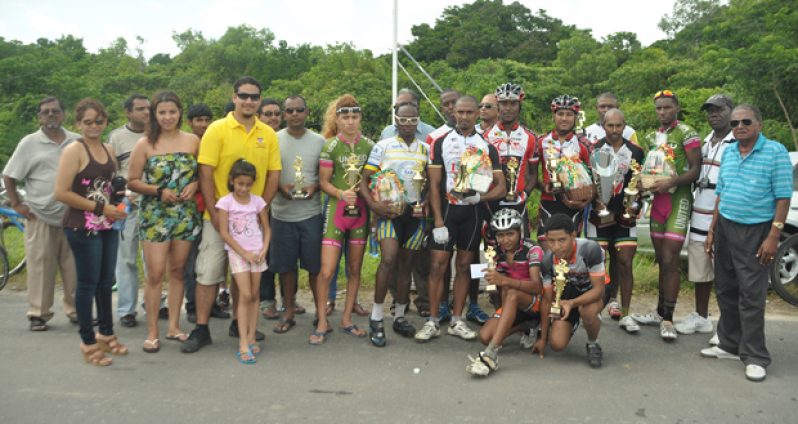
[127, 270]
[95, 260]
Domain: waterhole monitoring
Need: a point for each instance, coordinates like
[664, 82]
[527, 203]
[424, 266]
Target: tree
[687, 12]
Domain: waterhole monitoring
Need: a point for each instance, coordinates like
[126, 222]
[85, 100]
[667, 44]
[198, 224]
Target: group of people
[215, 199]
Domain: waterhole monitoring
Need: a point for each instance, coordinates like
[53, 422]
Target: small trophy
[490, 255]
[580, 123]
[560, 280]
[352, 179]
[630, 192]
[418, 182]
[552, 162]
[462, 187]
[299, 180]
[512, 179]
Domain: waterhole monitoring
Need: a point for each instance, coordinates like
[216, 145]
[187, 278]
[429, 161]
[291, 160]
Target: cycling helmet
[509, 91]
[506, 219]
[566, 102]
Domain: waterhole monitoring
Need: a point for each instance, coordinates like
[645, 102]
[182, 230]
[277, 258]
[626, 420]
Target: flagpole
[395, 60]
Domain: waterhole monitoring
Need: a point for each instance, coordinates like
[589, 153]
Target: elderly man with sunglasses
[754, 190]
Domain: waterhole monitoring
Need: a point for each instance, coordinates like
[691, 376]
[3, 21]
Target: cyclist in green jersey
[345, 148]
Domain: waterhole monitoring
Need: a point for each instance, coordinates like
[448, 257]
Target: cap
[718, 100]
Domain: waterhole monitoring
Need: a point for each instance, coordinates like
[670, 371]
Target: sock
[376, 312]
[592, 342]
[624, 311]
[399, 311]
[455, 319]
[668, 308]
[436, 320]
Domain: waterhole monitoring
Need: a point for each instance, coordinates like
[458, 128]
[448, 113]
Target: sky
[365, 23]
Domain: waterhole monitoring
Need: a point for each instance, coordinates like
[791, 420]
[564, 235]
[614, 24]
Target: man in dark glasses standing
[754, 190]
[270, 114]
[238, 135]
[488, 113]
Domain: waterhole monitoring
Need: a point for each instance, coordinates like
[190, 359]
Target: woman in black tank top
[83, 183]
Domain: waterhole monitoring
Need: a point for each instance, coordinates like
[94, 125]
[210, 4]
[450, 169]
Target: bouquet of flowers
[386, 185]
[575, 178]
[659, 165]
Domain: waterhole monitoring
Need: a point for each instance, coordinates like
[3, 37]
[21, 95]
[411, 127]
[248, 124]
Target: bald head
[614, 123]
[615, 113]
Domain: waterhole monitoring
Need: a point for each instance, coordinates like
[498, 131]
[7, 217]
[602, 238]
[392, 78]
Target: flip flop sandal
[255, 349]
[154, 345]
[352, 330]
[299, 310]
[284, 325]
[180, 337]
[247, 361]
[360, 310]
[270, 313]
[321, 337]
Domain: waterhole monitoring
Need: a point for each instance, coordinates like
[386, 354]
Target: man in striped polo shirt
[700, 269]
[754, 190]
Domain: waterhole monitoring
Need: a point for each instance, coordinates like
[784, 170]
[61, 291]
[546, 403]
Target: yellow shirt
[226, 141]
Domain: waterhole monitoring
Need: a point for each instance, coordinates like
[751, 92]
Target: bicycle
[12, 240]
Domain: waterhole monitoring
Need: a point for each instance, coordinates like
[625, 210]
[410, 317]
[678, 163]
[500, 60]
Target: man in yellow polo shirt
[238, 135]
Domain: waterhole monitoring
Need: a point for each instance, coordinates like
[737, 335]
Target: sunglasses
[664, 93]
[486, 106]
[45, 112]
[98, 122]
[343, 110]
[406, 120]
[291, 110]
[248, 96]
[270, 113]
[736, 122]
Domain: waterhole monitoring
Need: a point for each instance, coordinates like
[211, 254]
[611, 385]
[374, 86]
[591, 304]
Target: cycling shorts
[464, 223]
[408, 231]
[553, 207]
[616, 234]
[670, 214]
[338, 227]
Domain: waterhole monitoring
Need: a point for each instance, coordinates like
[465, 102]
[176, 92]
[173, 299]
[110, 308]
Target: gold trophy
[630, 192]
[490, 255]
[462, 187]
[580, 123]
[299, 180]
[552, 161]
[560, 280]
[352, 179]
[512, 179]
[418, 181]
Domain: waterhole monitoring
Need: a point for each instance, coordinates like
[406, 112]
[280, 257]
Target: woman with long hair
[346, 215]
[83, 183]
[163, 169]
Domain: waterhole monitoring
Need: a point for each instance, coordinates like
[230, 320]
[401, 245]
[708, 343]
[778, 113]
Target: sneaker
[629, 324]
[527, 339]
[460, 329]
[594, 355]
[716, 352]
[198, 338]
[714, 341]
[428, 331]
[614, 310]
[666, 331]
[651, 318]
[695, 323]
[128, 321]
[482, 365]
[377, 332]
[445, 312]
[476, 314]
[755, 372]
[403, 327]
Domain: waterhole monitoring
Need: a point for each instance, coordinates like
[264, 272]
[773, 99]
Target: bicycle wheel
[13, 238]
[784, 271]
[3, 268]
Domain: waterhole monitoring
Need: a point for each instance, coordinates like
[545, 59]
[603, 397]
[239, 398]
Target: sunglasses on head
[406, 120]
[290, 110]
[353, 109]
[486, 106]
[270, 113]
[248, 96]
[736, 122]
[664, 93]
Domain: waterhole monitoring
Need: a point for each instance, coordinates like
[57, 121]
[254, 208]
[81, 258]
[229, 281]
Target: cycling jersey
[587, 260]
[447, 152]
[336, 153]
[571, 146]
[438, 133]
[520, 144]
[528, 255]
[394, 153]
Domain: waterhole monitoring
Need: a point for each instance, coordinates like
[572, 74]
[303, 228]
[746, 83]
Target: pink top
[243, 223]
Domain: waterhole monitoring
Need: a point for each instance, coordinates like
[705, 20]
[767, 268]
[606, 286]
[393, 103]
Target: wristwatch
[778, 225]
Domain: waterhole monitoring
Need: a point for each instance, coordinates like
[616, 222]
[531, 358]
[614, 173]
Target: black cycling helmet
[506, 219]
[566, 102]
[510, 91]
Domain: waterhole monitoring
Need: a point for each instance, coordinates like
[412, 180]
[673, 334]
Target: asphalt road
[44, 380]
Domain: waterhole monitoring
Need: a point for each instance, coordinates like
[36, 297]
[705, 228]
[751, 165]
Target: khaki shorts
[700, 266]
[211, 264]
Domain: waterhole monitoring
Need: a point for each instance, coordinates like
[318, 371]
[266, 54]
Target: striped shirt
[394, 153]
[704, 202]
[749, 186]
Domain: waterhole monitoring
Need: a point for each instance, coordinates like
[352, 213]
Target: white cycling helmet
[509, 91]
[506, 219]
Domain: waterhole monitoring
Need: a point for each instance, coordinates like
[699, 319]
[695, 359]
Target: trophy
[462, 187]
[418, 182]
[512, 179]
[552, 161]
[605, 177]
[490, 255]
[560, 280]
[580, 123]
[352, 179]
[630, 192]
[299, 180]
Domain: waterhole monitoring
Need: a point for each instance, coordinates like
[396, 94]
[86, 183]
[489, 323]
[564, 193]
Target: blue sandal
[240, 356]
[353, 330]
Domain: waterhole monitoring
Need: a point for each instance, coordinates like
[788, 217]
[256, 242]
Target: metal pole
[395, 60]
[420, 68]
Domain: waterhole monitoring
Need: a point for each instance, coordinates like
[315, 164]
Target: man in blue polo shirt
[754, 190]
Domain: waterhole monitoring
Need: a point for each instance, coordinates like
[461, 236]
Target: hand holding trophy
[352, 179]
[299, 192]
[560, 280]
[490, 262]
[419, 181]
[631, 192]
[552, 163]
[512, 179]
